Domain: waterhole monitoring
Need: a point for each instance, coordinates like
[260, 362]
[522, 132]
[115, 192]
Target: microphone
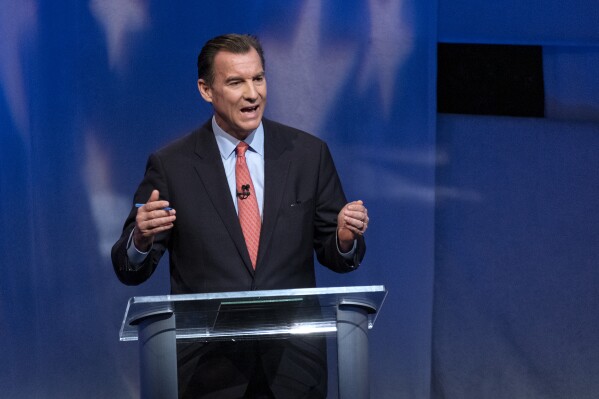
[245, 191]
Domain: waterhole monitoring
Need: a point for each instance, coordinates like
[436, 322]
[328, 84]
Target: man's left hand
[352, 222]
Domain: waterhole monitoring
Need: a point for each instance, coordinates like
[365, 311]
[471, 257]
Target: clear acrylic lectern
[158, 321]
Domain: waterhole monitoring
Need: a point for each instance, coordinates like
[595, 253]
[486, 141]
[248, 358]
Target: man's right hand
[152, 219]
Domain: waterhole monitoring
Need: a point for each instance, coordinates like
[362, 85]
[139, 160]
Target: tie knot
[241, 148]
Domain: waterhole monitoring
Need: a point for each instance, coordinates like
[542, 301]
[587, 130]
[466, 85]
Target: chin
[250, 127]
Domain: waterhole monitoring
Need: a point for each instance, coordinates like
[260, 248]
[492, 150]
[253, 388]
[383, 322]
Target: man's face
[238, 93]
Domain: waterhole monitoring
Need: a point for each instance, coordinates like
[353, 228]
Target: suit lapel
[209, 167]
[276, 169]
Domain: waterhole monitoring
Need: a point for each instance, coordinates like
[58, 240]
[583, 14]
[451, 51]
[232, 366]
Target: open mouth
[250, 109]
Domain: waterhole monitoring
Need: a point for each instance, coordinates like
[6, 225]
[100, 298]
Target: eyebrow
[236, 77]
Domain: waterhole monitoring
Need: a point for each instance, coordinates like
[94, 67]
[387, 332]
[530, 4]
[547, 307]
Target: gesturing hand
[152, 219]
[352, 222]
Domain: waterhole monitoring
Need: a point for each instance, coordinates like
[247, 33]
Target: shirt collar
[227, 143]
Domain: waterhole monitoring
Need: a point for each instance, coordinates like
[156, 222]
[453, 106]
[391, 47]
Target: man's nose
[250, 92]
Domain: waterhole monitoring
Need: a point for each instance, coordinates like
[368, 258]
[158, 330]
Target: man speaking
[242, 203]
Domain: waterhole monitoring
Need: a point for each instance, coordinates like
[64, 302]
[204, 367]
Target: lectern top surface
[250, 314]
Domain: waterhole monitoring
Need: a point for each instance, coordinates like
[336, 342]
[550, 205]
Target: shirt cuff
[346, 255]
[135, 256]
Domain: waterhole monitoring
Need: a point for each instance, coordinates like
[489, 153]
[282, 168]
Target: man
[242, 204]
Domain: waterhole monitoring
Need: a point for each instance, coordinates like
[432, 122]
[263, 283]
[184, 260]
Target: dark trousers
[274, 369]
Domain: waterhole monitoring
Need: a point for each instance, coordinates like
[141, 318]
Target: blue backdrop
[89, 88]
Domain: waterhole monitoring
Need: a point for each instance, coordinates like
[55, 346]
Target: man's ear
[205, 90]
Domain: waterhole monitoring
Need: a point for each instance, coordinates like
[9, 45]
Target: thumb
[155, 196]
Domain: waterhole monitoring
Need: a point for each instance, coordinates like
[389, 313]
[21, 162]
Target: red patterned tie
[247, 204]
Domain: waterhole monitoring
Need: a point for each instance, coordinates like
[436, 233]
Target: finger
[365, 217]
[152, 223]
[160, 214]
[154, 202]
[355, 206]
[354, 230]
[149, 219]
[356, 217]
[359, 221]
[156, 230]
[355, 224]
[154, 196]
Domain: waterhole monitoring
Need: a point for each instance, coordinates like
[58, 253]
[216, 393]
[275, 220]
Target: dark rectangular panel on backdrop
[490, 79]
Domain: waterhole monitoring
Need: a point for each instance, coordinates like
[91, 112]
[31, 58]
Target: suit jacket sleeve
[330, 200]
